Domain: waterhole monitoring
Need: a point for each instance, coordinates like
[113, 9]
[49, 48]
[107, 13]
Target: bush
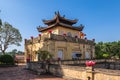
[44, 55]
[99, 56]
[105, 55]
[6, 59]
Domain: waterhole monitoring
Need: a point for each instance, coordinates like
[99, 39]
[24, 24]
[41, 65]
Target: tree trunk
[3, 51]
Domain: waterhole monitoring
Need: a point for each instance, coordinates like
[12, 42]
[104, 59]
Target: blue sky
[100, 17]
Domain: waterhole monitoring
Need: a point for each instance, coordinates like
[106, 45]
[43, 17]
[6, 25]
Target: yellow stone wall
[103, 76]
[66, 30]
[54, 29]
[61, 30]
[53, 46]
[81, 75]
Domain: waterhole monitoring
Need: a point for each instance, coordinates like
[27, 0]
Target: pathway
[19, 73]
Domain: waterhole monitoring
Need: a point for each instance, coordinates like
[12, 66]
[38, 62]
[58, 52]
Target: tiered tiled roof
[58, 20]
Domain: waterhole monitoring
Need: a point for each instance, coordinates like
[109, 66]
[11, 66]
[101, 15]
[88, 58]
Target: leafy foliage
[107, 50]
[9, 36]
[105, 55]
[14, 52]
[6, 59]
[44, 55]
[0, 22]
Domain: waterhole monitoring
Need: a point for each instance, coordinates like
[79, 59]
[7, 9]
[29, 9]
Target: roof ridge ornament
[76, 19]
[57, 13]
[81, 25]
[63, 16]
[57, 16]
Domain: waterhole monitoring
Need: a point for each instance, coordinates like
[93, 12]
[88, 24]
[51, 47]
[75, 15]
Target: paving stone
[19, 73]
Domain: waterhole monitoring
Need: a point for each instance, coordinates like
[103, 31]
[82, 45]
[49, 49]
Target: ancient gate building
[61, 39]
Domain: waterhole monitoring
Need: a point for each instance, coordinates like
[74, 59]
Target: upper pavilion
[59, 20]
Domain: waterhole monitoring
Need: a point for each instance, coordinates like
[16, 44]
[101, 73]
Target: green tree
[99, 49]
[20, 52]
[0, 23]
[6, 59]
[44, 55]
[13, 52]
[9, 36]
[108, 49]
[105, 55]
[116, 49]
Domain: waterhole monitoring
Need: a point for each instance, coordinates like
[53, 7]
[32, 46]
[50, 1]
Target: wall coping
[108, 71]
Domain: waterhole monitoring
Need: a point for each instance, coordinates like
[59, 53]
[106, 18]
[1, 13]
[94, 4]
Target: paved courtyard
[19, 73]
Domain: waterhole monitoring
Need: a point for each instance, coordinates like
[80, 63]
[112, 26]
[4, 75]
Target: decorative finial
[76, 19]
[55, 13]
[63, 15]
[81, 25]
[58, 13]
[0, 22]
[39, 26]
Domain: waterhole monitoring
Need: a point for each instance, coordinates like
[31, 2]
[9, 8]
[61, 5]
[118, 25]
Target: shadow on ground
[20, 73]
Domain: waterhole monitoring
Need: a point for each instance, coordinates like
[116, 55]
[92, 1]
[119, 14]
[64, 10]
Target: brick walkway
[19, 73]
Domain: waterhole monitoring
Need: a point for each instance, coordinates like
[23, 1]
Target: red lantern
[83, 45]
[64, 34]
[85, 39]
[59, 58]
[93, 40]
[50, 31]
[28, 59]
[81, 34]
[39, 35]
[32, 37]
[76, 36]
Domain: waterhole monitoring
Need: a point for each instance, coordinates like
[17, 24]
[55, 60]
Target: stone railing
[100, 63]
[70, 39]
[37, 67]
[58, 38]
[78, 72]
[32, 41]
